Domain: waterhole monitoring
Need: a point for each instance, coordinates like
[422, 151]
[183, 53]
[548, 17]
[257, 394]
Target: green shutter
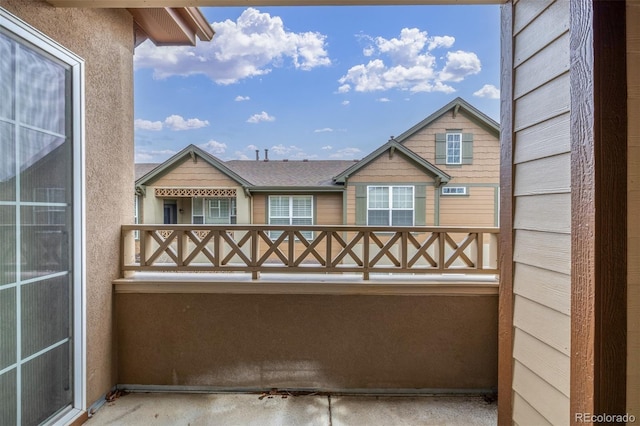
[361, 205]
[467, 148]
[420, 206]
[441, 148]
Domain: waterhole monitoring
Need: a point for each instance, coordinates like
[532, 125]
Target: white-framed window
[214, 211]
[390, 205]
[454, 190]
[291, 210]
[454, 148]
[42, 361]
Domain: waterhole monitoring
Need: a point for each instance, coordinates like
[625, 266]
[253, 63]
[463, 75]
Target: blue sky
[313, 82]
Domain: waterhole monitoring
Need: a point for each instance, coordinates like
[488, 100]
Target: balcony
[332, 309]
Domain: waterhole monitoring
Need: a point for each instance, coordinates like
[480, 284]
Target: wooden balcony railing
[309, 249]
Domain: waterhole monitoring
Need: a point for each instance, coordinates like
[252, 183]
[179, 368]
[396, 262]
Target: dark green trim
[361, 205]
[467, 148]
[296, 189]
[441, 148]
[436, 207]
[392, 183]
[496, 206]
[420, 205]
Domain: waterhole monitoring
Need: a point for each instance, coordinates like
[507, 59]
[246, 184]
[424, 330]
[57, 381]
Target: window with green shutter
[454, 147]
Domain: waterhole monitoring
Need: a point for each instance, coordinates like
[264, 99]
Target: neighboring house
[442, 171]
[569, 295]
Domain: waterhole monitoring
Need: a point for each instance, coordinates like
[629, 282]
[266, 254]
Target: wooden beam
[505, 301]
[599, 208]
[258, 3]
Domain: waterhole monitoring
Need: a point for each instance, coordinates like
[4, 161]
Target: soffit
[164, 25]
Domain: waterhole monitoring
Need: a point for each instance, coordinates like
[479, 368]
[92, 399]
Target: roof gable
[191, 151]
[394, 146]
[457, 105]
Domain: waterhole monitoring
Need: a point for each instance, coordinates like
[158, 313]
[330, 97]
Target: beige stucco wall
[319, 342]
[104, 38]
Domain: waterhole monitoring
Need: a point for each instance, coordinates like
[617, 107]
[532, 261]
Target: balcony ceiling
[204, 3]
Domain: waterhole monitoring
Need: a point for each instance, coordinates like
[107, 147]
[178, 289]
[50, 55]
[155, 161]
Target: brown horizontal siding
[542, 213]
[391, 170]
[329, 209]
[486, 148]
[199, 174]
[476, 209]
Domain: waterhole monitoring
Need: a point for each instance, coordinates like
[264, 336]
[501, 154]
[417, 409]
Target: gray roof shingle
[298, 173]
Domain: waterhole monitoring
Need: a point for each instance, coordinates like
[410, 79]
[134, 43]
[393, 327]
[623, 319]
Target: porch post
[599, 207]
[505, 312]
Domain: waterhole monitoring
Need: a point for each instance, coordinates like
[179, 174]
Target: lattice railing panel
[331, 249]
[196, 192]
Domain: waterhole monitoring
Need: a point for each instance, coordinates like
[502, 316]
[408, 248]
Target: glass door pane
[36, 227]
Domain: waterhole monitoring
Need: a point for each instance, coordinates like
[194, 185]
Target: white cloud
[285, 150]
[437, 41]
[459, 65]
[173, 122]
[346, 103]
[241, 98]
[488, 91]
[239, 155]
[147, 125]
[153, 156]
[248, 47]
[176, 122]
[345, 152]
[368, 51]
[407, 63]
[251, 147]
[214, 147]
[323, 130]
[257, 118]
[327, 147]
[383, 100]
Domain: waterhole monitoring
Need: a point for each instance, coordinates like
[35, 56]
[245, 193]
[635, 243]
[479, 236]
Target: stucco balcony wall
[415, 341]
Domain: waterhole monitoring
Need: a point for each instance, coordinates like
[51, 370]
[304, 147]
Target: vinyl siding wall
[397, 170]
[486, 149]
[542, 213]
[633, 229]
[477, 208]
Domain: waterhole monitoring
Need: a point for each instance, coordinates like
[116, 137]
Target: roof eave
[459, 103]
[296, 189]
[167, 26]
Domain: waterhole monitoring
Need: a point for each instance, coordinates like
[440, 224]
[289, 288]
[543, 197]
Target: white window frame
[391, 209]
[274, 235]
[453, 145]
[454, 190]
[24, 31]
[207, 203]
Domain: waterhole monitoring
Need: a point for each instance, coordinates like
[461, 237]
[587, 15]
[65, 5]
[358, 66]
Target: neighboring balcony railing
[309, 249]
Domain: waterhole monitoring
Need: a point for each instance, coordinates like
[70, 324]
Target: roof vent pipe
[266, 154]
[257, 155]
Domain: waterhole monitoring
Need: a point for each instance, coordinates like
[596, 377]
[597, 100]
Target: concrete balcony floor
[252, 409]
